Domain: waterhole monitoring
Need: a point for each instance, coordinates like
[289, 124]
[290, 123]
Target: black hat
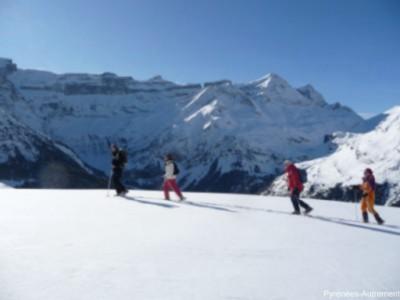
[168, 157]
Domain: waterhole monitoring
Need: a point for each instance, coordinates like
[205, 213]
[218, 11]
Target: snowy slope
[378, 149]
[227, 137]
[7, 185]
[28, 158]
[83, 245]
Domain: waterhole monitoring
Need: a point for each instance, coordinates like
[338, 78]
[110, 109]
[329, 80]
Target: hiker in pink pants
[171, 171]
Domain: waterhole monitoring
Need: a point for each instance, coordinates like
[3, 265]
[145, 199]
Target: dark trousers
[297, 202]
[116, 179]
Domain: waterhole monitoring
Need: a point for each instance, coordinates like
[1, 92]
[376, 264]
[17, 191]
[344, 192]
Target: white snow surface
[58, 244]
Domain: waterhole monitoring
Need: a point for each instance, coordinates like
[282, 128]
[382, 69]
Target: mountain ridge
[378, 148]
[228, 137]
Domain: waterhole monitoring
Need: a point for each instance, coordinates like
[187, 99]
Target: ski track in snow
[59, 244]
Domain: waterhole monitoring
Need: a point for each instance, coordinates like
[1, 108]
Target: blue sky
[349, 50]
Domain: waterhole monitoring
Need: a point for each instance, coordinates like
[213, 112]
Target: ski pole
[355, 204]
[109, 185]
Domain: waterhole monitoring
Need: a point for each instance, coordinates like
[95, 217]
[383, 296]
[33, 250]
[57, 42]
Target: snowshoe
[378, 219]
[122, 194]
[308, 210]
[365, 217]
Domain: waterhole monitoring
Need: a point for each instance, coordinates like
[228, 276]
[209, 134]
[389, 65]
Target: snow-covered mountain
[226, 136]
[30, 158]
[332, 176]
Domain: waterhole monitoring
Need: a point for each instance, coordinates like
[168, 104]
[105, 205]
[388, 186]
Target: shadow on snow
[227, 208]
[208, 205]
[344, 222]
[190, 203]
[165, 205]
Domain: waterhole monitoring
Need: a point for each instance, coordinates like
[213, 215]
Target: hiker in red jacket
[295, 187]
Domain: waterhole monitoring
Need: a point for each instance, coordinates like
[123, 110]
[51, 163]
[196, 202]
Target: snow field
[59, 244]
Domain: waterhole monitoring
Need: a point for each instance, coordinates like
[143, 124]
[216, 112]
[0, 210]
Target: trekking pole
[109, 177]
[355, 204]
[162, 184]
[109, 185]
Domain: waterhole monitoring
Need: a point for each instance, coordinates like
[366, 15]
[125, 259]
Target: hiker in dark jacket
[368, 188]
[295, 187]
[118, 163]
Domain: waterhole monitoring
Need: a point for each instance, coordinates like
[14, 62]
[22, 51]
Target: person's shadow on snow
[350, 223]
[190, 203]
[340, 221]
[165, 205]
[208, 205]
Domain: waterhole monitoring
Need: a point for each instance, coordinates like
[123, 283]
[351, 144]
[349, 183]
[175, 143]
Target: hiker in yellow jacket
[368, 188]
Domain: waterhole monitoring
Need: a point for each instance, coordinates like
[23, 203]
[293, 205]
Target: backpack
[303, 175]
[176, 169]
[371, 181]
[123, 157]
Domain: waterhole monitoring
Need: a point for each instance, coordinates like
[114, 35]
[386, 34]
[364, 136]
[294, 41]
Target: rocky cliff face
[29, 158]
